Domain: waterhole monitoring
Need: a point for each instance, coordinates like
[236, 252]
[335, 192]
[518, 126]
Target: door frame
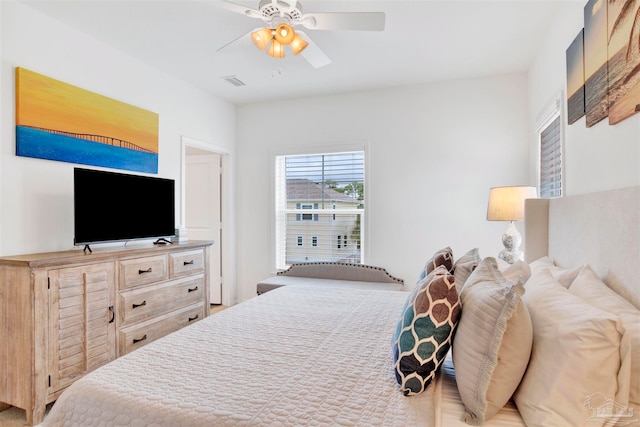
[227, 247]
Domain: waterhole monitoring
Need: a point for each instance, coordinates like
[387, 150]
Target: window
[551, 156]
[329, 188]
[307, 217]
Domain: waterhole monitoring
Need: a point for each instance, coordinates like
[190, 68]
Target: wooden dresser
[64, 314]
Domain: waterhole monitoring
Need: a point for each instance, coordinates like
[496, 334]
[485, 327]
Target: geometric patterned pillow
[425, 329]
[442, 257]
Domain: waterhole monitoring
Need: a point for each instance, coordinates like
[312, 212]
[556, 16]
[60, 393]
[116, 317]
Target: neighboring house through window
[322, 196]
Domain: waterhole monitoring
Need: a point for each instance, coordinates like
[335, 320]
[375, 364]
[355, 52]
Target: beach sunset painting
[62, 122]
[575, 79]
[624, 59]
[595, 61]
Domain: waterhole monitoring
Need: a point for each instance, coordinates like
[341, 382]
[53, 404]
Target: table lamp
[507, 204]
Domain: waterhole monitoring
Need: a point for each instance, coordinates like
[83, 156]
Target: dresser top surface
[100, 254]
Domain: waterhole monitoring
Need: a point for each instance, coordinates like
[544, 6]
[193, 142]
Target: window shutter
[551, 160]
[329, 188]
[280, 232]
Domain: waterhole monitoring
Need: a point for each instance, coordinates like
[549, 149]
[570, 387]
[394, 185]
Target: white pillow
[518, 270]
[565, 276]
[575, 355]
[502, 264]
[464, 266]
[492, 342]
[591, 289]
[541, 264]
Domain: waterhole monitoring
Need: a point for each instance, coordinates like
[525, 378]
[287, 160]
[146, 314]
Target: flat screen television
[111, 206]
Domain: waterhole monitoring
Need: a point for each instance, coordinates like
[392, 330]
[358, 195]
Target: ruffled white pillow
[492, 343]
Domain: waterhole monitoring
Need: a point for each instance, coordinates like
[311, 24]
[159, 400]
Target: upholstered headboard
[341, 271]
[600, 229]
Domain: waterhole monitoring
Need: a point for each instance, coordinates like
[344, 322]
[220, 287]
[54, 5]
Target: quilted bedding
[293, 356]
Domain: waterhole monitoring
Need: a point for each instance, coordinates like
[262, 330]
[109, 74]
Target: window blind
[551, 160]
[320, 207]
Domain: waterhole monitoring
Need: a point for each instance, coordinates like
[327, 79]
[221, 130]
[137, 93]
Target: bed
[300, 355]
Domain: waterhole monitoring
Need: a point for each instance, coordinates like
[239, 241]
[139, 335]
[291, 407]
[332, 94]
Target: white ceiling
[423, 41]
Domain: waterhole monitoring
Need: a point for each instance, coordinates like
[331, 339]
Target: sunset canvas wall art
[624, 59]
[575, 79]
[595, 61]
[62, 122]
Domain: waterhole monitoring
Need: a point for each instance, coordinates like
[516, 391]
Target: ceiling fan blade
[243, 38]
[362, 21]
[238, 8]
[312, 53]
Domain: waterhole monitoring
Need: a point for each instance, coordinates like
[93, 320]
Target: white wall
[599, 158]
[434, 152]
[36, 197]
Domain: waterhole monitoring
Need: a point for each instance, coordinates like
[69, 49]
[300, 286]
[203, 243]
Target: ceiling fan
[281, 16]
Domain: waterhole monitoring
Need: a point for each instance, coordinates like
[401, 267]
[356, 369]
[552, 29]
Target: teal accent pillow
[424, 332]
[442, 257]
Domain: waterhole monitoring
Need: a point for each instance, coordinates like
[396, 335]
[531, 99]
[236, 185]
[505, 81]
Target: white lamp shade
[507, 203]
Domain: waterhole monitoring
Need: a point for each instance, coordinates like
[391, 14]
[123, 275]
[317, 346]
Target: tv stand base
[162, 241]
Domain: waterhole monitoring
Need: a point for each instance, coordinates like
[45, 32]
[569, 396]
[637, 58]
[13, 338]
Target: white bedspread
[293, 356]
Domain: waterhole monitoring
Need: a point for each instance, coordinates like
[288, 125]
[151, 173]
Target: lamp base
[511, 239]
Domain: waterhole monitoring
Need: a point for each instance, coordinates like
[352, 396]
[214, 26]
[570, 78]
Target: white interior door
[203, 207]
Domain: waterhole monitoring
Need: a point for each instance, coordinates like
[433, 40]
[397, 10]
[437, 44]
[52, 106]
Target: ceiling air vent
[234, 80]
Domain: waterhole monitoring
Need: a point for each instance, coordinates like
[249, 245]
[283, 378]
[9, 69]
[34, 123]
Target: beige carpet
[14, 417]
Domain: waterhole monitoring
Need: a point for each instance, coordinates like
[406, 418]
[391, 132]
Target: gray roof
[304, 189]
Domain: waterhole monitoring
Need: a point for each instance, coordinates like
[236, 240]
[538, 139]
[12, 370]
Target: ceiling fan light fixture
[298, 44]
[276, 50]
[284, 34]
[262, 37]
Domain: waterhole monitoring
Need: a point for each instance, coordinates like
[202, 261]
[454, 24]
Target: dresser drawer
[142, 271]
[150, 301]
[186, 263]
[140, 334]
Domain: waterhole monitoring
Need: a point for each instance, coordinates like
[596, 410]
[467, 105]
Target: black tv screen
[111, 206]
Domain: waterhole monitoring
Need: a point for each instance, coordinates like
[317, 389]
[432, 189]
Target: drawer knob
[140, 305]
[192, 289]
[191, 319]
[136, 341]
[148, 270]
[188, 262]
